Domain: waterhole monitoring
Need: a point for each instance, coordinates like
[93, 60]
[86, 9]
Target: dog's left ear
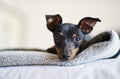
[87, 24]
[53, 21]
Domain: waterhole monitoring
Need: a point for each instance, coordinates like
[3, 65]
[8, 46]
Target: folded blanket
[104, 45]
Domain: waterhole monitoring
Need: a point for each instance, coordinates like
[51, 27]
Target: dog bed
[104, 45]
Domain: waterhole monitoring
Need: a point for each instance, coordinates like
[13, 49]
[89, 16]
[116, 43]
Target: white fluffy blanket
[94, 52]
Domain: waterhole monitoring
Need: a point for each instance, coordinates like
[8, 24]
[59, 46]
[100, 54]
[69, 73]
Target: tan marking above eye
[74, 35]
[61, 34]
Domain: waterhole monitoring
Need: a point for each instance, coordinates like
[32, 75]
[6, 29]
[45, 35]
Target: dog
[69, 38]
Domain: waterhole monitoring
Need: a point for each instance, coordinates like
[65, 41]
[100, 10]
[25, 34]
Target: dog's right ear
[87, 24]
[53, 21]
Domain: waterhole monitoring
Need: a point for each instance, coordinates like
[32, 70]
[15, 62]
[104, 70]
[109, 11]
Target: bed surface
[103, 69]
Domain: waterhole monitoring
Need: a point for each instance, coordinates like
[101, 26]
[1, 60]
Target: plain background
[23, 23]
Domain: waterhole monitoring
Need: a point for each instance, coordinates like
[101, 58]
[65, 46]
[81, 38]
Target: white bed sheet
[102, 69]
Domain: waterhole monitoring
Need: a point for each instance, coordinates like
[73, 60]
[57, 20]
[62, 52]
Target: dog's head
[68, 37]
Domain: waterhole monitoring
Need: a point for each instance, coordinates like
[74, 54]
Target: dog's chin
[65, 59]
[72, 56]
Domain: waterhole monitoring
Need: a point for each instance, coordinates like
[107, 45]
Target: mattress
[103, 69]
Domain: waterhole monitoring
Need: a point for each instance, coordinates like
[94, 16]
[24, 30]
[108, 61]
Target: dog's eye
[77, 38]
[58, 38]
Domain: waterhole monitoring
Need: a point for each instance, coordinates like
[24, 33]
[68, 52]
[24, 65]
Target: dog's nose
[65, 56]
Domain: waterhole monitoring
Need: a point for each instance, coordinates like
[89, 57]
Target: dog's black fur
[69, 38]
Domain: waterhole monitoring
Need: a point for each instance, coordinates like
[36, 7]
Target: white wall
[27, 17]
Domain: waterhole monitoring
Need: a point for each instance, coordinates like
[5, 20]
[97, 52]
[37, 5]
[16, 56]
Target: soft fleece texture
[94, 52]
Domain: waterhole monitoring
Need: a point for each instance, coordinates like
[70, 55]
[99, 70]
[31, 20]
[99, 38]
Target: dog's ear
[53, 21]
[87, 24]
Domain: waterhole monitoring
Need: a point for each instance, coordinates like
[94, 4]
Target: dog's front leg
[52, 50]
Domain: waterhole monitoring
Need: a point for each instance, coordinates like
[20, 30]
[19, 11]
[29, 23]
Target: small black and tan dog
[68, 37]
